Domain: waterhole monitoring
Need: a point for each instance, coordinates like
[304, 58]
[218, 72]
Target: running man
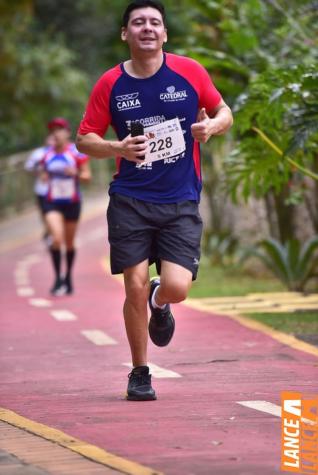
[64, 167]
[153, 210]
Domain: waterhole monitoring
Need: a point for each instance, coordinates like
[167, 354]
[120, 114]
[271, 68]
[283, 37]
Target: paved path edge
[85, 449]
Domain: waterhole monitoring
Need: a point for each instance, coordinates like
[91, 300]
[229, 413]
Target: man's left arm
[215, 122]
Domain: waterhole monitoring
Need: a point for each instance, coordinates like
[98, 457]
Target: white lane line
[42, 303]
[63, 315]
[263, 406]
[29, 260]
[22, 266]
[98, 337]
[20, 273]
[22, 281]
[159, 372]
[25, 291]
[270, 408]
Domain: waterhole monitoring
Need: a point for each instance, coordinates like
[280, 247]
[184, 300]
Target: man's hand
[43, 175]
[204, 127]
[70, 171]
[132, 148]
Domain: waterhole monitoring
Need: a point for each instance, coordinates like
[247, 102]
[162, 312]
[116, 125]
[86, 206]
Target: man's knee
[137, 290]
[175, 290]
[57, 241]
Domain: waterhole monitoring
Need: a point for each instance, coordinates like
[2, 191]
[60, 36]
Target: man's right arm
[95, 123]
[33, 161]
[131, 148]
[93, 145]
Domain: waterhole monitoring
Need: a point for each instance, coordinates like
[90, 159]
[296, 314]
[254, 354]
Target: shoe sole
[152, 332]
[139, 398]
[152, 281]
[60, 292]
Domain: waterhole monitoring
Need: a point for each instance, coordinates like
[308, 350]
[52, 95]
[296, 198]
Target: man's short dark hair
[142, 4]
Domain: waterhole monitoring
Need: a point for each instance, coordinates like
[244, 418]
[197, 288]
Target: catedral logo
[171, 95]
[299, 433]
[128, 101]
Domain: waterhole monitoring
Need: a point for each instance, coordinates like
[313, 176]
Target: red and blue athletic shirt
[178, 89]
[62, 187]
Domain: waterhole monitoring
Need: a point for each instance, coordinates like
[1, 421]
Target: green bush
[221, 249]
[292, 263]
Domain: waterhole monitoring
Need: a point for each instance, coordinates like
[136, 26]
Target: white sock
[153, 301]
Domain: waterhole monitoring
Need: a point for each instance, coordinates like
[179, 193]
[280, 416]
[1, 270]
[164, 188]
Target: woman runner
[64, 167]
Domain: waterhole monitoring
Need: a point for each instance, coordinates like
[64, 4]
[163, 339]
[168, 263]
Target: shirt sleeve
[34, 159]
[209, 96]
[79, 157]
[97, 116]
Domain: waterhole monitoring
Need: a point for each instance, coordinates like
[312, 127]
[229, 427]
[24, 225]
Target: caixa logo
[128, 101]
[171, 95]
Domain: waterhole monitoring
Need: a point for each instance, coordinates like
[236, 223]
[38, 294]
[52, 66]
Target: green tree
[38, 79]
[92, 29]
[264, 54]
[280, 110]
[52, 53]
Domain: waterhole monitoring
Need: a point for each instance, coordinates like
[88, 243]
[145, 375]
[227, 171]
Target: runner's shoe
[161, 323]
[139, 385]
[68, 286]
[58, 288]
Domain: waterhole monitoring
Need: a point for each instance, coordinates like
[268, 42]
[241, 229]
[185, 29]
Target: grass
[301, 323]
[220, 282]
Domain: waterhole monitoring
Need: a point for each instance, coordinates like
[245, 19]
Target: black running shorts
[70, 211]
[41, 202]
[138, 230]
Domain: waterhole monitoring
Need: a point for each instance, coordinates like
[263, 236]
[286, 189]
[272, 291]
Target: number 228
[160, 145]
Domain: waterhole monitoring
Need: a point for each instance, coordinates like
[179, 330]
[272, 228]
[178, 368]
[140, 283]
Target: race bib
[165, 140]
[62, 189]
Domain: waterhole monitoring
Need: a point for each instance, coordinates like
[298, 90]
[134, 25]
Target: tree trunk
[311, 198]
[211, 188]
[285, 216]
[271, 215]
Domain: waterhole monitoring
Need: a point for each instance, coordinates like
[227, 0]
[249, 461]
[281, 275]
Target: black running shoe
[139, 385]
[68, 286]
[58, 288]
[161, 323]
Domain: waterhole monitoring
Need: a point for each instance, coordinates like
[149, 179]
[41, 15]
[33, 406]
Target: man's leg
[70, 230]
[135, 311]
[136, 321]
[55, 223]
[172, 287]
[175, 283]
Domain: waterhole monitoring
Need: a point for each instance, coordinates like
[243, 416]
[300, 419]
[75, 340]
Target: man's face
[145, 31]
[60, 136]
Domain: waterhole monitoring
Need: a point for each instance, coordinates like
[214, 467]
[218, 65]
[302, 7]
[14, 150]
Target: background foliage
[262, 55]
[52, 52]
